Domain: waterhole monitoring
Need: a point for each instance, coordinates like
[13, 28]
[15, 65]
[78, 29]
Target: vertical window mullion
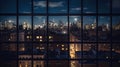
[68, 32]
[47, 3]
[17, 32]
[32, 7]
[111, 33]
[82, 32]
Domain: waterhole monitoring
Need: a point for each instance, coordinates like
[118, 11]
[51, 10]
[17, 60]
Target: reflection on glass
[75, 64]
[116, 6]
[25, 63]
[75, 28]
[40, 27]
[7, 6]
[25, 32]
[39, 6]
[104, 51]
[83, 63]
[8, 28]
[104, 63]
[89, 51]
[89, 6]
[57, 6]
[116, 51]
[58, 63]
[25, 51]
[116, 28]
[39, 64]
[24, 6]
[103, 6]
[58, 51]
[75, 6]
[75, 51]
[58, 28]
[104, 28]
[39, 51]
[89, 28]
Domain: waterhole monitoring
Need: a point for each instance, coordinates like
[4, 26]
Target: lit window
[40, 40]
[28, 37]
[50, 37]
[40, 37]
[37, 47]
[37, 37]
[62, 48]
[62, 45]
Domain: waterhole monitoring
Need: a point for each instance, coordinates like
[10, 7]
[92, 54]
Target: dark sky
[59, 6]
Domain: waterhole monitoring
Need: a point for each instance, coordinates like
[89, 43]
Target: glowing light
[64, 32]
[37, 37]
[10, 21]
[75, 19]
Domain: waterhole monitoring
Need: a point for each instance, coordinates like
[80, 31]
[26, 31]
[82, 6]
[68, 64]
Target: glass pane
[58, 28]
[89, 6]
[39, 6]
[25, 63]
[103, 6]
[7, 6]
[75, 28]
[75, 6]
[89, 63]
[115, 6]
[104, 63]
[116, 28]
[25, 33]
[116, 51]
[89, 28]
[75, 63]
[57, 6]
[8, 28]
[25, 51]
[40, 29]
[58, 51]
[10, 63]
[75, 51]
[58, 63]
[89, 51]
[24, 6]
[39, 64]
[116, 64]
[8, 54]
[104, 51]
[104, 34]
[39, 51]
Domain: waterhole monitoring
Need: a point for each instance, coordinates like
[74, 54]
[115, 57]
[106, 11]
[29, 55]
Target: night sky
[58, 6]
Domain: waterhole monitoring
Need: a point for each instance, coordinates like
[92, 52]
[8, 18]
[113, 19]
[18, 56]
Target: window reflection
[115, 28]
[58, 28]
[25, 28]
[89, 6]
[58, 51]
[75, 28]
[104, 29]
[57, 6]
[8, 28]
[8, 6]
[89, 28]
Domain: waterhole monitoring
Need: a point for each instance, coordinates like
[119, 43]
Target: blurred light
[75, 19]
[37, 37]
[10, 21]
[64, 32]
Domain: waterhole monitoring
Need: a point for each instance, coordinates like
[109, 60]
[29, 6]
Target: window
[59, 33]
